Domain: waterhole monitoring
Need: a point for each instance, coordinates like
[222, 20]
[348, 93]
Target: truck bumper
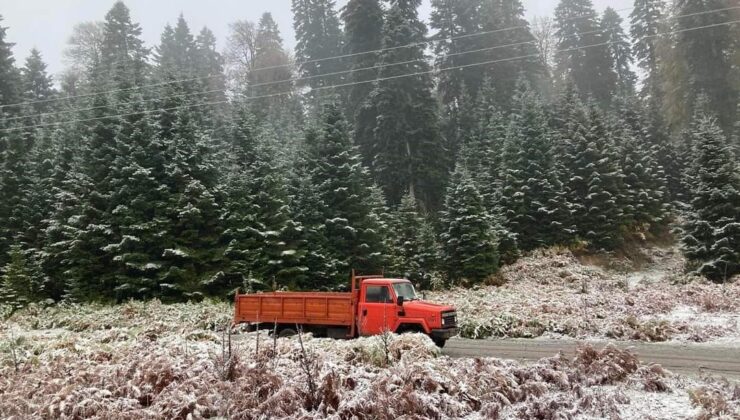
[443, 334]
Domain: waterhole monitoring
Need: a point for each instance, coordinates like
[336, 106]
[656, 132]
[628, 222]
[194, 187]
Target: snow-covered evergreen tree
[263, 238]
[711, 232]
[342, 185]
[22, 279]
[590, 173]
[469, 251]
[408, 151]
[529, 198]
[413, 249]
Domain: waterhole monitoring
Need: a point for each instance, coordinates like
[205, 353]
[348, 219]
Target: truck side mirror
[400, 301]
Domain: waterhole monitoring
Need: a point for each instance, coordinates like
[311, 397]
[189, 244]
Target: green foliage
[22, 279]
[530, 199]
[469, 251]
[413, 244]
[407, 151]
[348, 217]
[712, 229]
[590, 68]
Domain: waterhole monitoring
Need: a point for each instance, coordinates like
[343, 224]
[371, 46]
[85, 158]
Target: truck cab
[386, 304]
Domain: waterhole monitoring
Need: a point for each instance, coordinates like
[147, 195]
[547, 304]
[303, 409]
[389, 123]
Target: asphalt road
[692, 359]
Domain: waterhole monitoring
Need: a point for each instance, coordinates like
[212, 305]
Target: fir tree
[363, 26]
[707, 55]
[590, 174]
[620, 51]
[581, 57]
[349, 225]
[318, 37]
[711, 232]
[16, 190]
[22, 280]
[122, 52]
[270, 73]
[9, 75]
[407, 151]
[530, 201]
[413, 248]
[37, 84]
[469, 251]
[519, 59]
[263, 238]
[455, 19]
[645, 25]
[643, 177]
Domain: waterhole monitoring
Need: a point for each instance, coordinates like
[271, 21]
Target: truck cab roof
[384, 281]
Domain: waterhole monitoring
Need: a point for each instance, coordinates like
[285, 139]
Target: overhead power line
[305, 78]
[336, 57]
[361, 82]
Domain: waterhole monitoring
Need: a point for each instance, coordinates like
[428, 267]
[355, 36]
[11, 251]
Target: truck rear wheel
[286, 332]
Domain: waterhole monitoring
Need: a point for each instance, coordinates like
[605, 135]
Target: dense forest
[435, 150]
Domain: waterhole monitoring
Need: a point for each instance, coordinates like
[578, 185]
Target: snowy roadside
[551, 294]
[148, 360]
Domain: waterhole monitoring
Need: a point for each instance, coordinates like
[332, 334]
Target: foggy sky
[46, 24]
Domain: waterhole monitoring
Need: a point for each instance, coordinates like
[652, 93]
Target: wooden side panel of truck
[335, 309]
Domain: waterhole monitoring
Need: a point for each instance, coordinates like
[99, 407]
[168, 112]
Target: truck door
[377, 310]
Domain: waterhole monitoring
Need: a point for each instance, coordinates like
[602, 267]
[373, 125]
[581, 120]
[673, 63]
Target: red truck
[374, 304]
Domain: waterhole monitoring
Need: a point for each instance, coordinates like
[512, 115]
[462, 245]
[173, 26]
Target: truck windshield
[406, 290]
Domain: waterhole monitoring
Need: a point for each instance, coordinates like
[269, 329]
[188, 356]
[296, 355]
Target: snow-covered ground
[148, 360]
[552, 294]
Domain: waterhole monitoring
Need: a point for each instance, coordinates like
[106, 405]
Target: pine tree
[456, 19]
[341, 183]
[16, 190]
[191, 247]
[407, 151]
[209, 66]
[318, 37]
[263, 238]
[363, 27]
[122, 53]
[37, 84]
[9, 75]
[581, 57]
[270, 73]
[620, 51]
[413, 249]
[645, 25]
[711, 232]
[469, 251]
[22, 280]
[590, 173]
[63, 224]
[139, 198]
[520, 59]
[530, 190]
[643, 177]
[707, 55]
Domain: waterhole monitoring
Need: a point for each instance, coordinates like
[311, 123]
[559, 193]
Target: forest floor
[556, 294]
[149, 360]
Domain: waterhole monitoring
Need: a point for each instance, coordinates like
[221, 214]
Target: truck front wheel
[286, 332]
[440, 342]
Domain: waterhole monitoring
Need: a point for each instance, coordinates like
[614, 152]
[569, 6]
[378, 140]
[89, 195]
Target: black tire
[440, 342]
[286, 332]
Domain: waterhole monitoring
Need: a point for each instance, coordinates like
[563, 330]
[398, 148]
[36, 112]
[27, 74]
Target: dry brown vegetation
[148, 360]
[554, 293]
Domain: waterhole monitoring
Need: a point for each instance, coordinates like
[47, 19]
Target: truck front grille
[449, 319]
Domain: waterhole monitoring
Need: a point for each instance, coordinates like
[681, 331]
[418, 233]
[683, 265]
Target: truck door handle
[364, 312]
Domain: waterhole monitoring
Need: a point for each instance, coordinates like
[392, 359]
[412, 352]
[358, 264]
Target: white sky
[46, 24]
